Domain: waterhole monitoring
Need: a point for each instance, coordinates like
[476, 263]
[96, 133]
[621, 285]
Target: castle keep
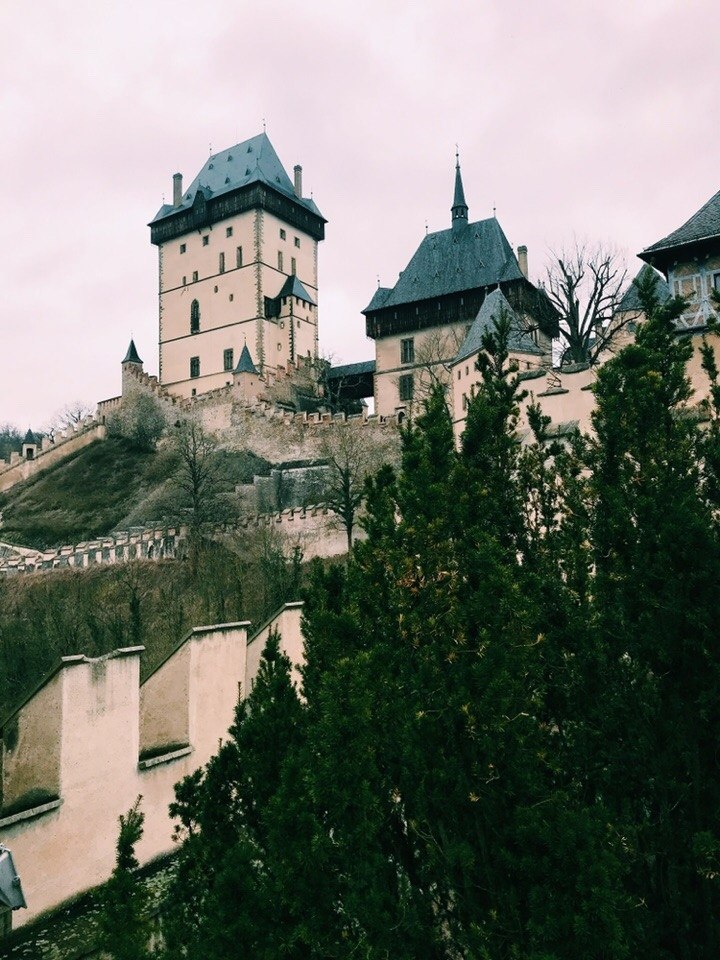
[237, 267]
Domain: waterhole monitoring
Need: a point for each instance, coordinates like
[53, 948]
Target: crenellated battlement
[46, 452]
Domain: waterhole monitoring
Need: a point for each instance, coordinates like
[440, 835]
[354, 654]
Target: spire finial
[378, 280]
[459, 208]
[264, 126]
[210, 149]
[426, 228]
[494, 209]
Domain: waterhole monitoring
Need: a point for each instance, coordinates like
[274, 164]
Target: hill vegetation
[108, 486]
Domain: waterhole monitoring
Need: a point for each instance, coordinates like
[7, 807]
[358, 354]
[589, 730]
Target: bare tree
[198, 476]
[69, 416]
[586, 286]
[353, 450]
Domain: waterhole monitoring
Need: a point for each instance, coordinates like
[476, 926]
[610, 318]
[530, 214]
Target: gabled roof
[132, 355]
[294, 288]
[252, 161]
[245, 363]
[701, 226]
[631, 300]
[520, 341]
[450, 261]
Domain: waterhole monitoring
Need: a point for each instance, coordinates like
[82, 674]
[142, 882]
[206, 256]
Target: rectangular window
[465, 401]
[280, 260]
[238, 257]
[228, 359]
[221, 263]
[194, 367]
[206, 240]
[282, 234]
[195, 276]
[406, 386]
[184, 281]
[183, 247]
[297, 241]
[407, 350]
[228, 231]
[716, 282]
[293, 266]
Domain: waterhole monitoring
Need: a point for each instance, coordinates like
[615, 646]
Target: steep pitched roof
[450, 261]
[29, 437]
[378, 299]
[701, 226]
[631, 300]
[245, 363]
[520, 341]
[132, 355]
[294, 288]
[252, 161]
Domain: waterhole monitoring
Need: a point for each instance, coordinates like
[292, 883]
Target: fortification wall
[115, 740]
[316, 530]
[50, 452]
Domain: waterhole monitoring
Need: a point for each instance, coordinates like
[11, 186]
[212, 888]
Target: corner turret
[246, 379]
[30, 446]
[132, 355]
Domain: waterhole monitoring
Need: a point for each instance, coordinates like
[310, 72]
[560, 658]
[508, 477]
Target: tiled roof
[252, 161]
[378, 298]
[245, 363]
[701, 225]
[294, 288]
[351, 370]
[132, 355]
[631, 300]
[450, 261]
[520, 341]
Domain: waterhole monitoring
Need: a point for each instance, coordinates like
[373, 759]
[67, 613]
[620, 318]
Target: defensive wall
[48, 452]
[91, 738]
[316, 530]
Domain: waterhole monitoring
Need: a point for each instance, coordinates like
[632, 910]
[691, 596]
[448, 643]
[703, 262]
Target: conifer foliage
[505, 741]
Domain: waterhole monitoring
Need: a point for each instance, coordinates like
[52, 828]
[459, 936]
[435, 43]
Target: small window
[231, 297]
[467, 371]
[406, 386]
[183, 247]
[195, 317]
[465, 401]
[228, 231]
[194, 367]
[221, 263]
[279, 346]
[293, 266]
[238, 257]
[280, 260]
[228, 359]
[298, 323]
[184, 281]
[282, 234]
[297, 241]
[459, 372]
[193, 392]
[407, 350]
[206, 240]
[195, 276]
[716, 282]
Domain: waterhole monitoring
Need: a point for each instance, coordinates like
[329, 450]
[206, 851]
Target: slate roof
[701, 226]
[450, 261]
[520, 340]
[631, 300]
[293, 288]
[245, 363]
[459, 196]
[378, 299]
[132, 355]
[351, 370]
[252, 161]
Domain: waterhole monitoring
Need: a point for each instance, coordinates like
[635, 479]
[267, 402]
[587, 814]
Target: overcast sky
[573, 117]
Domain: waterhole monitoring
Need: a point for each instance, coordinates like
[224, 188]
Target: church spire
[459, 207]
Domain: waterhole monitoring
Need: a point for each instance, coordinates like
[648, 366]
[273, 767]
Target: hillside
[106, 486]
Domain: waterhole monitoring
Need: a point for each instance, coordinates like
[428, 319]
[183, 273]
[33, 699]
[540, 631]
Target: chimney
[298, 180]
[522, 261]
[177, 189]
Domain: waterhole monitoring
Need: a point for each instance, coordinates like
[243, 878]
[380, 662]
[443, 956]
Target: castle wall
[111, 739]
[288, 623]
[66, 444]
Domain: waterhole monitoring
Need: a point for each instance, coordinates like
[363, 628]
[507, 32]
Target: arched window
[194, 317]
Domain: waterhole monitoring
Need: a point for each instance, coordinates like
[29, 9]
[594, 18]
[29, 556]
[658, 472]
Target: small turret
[30, 446]
[246, 379]
[132, 355]
[459, 208]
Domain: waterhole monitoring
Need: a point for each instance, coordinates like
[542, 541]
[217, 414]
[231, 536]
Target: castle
[238, 302]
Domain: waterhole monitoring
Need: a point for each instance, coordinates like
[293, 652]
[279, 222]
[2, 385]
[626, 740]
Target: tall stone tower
[237, 256]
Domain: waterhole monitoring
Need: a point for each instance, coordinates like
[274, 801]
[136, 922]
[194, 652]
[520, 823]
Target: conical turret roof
[132, 355]
[245, 363]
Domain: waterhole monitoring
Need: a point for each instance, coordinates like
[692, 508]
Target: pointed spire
[132, 355]
[29, 437]
[459, 207]
[245, 363]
